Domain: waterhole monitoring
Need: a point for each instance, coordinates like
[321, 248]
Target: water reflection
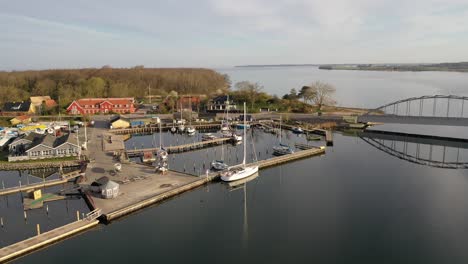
[19, 224]
[440, 153]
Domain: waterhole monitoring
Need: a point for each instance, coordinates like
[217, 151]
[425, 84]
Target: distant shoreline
[276, 65]
[440, 67]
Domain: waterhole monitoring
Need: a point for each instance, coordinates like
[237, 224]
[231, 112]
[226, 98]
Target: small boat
[208, 136]
[242, 171]
[297, 130]
[242, 126]
[225, 127]
[173, 129]
[50, 130]
[218, 165]
[190, 130]
[282, 149]
[181, 128]
[236, 138]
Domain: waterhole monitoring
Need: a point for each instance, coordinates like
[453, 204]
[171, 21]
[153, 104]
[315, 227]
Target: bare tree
[323, 94]
[251, 90]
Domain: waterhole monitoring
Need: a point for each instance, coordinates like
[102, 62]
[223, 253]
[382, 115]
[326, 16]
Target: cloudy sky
[216, 33]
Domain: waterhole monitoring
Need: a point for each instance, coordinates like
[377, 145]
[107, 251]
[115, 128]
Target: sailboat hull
[238, 173]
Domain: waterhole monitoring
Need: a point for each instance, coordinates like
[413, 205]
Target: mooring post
[448, 106]
[77, 215]
[1, 221]
[25, 216]
[38, 229]
[434, 107]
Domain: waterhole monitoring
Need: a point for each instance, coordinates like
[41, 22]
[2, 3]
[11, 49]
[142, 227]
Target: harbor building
[91, 106]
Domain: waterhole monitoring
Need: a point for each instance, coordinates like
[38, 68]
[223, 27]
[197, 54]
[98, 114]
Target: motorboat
[297, 130]
[190, 130]
[236, 138]
[208, 136]
[218, 165]
[181, 128]
[282, 149]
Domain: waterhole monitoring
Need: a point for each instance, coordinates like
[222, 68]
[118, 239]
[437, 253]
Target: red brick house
[90, 106]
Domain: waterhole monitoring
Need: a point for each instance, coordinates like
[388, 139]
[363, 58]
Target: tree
[307, 93]
[250, 90]
[323, 93]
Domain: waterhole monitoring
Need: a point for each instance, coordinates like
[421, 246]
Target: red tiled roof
[50, 103]
[94, 101]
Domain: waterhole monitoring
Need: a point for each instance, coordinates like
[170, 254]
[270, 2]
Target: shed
[110, 190]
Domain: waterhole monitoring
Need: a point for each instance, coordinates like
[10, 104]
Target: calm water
[355, 204]
[368, 89]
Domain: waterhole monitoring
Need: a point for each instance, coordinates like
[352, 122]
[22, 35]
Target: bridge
[433, 151]
[447, 110]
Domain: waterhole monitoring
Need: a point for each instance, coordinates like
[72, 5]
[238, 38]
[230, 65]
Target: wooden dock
[109, 216]
[41, 240]
[165, 127]
[179, 148]
[65, 178]
[326, 133]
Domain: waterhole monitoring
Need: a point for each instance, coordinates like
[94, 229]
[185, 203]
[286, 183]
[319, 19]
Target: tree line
[70, 84]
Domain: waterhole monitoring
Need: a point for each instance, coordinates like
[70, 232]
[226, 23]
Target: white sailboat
[282, 149]
[225, 127]
[190, 129]
[181, 126]
[242, 171]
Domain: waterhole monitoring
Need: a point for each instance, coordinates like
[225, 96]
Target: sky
[221, 33]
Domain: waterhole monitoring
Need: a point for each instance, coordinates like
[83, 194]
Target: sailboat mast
[245, 136]
[160, 136]
[281, 120]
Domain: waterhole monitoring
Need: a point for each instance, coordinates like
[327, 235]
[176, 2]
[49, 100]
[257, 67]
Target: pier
[151, 189]
[47, 238]
[322, 132]
[164, 127]
[180, 148]
[22, 188]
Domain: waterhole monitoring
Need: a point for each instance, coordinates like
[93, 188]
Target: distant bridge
[430, 109]
[433, 151]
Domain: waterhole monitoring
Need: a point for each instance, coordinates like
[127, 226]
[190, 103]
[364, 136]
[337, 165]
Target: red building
[90, 106]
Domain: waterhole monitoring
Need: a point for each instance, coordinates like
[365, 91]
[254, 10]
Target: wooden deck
[47, 238]
[164, 127]
[65, 178]
[179, 148]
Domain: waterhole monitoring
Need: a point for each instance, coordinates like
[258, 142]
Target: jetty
[151, 188]
[323, 132]
[41, 240]
[28, 187]
[164, 127]
[179, 148]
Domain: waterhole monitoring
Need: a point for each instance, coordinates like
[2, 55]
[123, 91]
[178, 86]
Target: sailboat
[225, 127]
[242, 171]
[181, 126]
[219, 165]
[282, 149]
[190, 129]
